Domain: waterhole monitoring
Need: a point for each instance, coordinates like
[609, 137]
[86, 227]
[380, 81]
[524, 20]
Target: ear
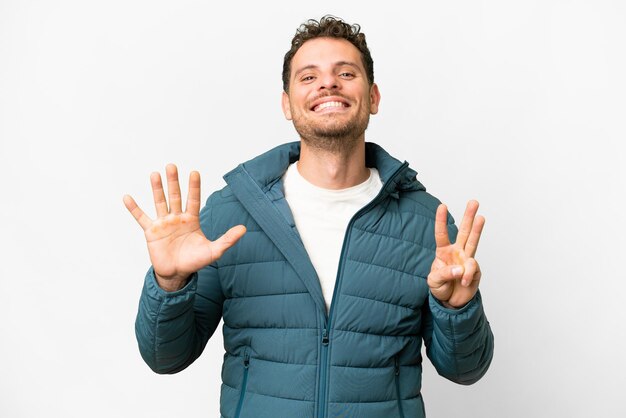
[374, 99]
[286, 106]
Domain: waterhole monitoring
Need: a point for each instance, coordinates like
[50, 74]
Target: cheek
[302, 100]
[299, 106]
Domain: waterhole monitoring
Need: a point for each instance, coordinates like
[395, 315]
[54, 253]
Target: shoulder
[219, 198]
[221, 212]
[421, 203]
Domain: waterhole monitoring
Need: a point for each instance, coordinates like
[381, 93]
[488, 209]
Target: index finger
[441, 226]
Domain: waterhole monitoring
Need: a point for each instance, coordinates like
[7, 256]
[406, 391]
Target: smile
[327, 105]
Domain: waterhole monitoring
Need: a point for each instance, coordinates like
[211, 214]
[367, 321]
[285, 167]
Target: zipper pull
[396, 365]
[246, 360]
[325, 337]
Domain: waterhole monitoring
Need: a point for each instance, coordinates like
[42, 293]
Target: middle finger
[466, 223]
[173, 189]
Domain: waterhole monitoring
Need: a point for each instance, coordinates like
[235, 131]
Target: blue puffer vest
[285, 356]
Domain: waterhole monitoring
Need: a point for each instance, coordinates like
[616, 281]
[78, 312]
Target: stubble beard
[333, 136]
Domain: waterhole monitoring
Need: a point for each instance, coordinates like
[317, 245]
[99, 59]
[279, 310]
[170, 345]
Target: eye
[307, 78]
[347, 75]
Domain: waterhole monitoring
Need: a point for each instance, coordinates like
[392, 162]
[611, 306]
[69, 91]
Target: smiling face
[330, 98]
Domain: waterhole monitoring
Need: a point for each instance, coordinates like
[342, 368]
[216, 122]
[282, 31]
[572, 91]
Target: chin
[333, 133]
[334, 141]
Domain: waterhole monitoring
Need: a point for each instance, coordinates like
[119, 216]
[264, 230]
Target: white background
[520, 105]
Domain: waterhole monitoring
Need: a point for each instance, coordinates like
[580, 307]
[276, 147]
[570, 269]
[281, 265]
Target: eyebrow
[337, 64]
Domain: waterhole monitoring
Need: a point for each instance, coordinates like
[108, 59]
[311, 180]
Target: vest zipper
[323, 373]
[321, 412]
[244, 383]
[397, 373]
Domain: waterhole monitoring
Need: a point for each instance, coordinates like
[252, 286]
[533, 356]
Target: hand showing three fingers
[176, 244]
[455, 274]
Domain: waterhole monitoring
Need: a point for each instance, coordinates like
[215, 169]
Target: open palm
[176, 244]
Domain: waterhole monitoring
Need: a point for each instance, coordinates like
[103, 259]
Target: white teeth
[328, 104]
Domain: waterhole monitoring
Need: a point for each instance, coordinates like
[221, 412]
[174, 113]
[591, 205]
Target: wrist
[171, 284]
[446, 304]
[453, 307]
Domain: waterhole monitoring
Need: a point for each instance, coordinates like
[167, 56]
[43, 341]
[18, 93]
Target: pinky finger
[142, 219]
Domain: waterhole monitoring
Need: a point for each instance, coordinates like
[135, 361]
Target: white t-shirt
[322, 216]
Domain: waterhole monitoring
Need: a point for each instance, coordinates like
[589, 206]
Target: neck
[333, 170]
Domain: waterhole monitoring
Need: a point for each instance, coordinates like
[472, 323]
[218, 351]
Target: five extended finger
[173, 189]
[141, 218]
[474, 237]
[193, 197]
[441, 226]
[466, 224]
[158, 194]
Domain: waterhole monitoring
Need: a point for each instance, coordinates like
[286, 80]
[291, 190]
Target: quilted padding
[284, 355]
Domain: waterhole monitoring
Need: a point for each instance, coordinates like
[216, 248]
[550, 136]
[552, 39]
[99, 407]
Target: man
[346, 264]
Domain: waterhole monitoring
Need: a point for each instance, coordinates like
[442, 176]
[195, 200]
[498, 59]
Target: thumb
[446, 273]
[220, 245]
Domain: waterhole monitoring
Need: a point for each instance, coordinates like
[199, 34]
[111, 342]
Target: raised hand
[176, 244]
[455, 274]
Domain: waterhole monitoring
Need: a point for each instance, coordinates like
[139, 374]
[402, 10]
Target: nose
[329, 81]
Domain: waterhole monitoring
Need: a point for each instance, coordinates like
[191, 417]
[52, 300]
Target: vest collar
[269, 167]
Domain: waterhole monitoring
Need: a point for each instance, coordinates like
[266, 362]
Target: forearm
[459, 341]
[166, 326]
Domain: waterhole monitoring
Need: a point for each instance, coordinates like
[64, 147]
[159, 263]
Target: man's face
[329, 98]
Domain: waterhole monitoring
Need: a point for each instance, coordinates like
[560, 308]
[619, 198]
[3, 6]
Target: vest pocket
[244, 382]
[397, 373]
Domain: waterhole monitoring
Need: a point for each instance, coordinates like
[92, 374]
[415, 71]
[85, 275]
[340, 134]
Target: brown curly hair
[329, 27]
